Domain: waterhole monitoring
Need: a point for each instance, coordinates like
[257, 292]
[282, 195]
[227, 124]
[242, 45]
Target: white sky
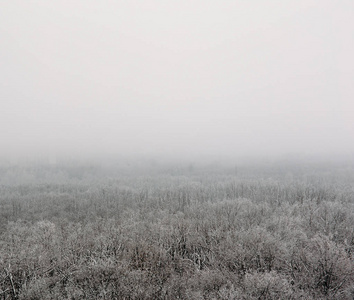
[176, 77]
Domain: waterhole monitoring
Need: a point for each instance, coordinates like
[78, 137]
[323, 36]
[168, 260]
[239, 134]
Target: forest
[271, 230]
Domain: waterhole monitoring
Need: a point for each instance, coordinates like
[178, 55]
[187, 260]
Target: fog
[178, 79]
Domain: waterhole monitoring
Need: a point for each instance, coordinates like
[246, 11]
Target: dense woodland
[280, 230]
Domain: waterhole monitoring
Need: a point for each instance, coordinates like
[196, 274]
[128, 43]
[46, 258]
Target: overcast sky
[176, 78]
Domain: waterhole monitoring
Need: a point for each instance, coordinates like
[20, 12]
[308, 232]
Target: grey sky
[177, 77]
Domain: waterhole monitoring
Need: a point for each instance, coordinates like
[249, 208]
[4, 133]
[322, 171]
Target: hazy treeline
[155, 231]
